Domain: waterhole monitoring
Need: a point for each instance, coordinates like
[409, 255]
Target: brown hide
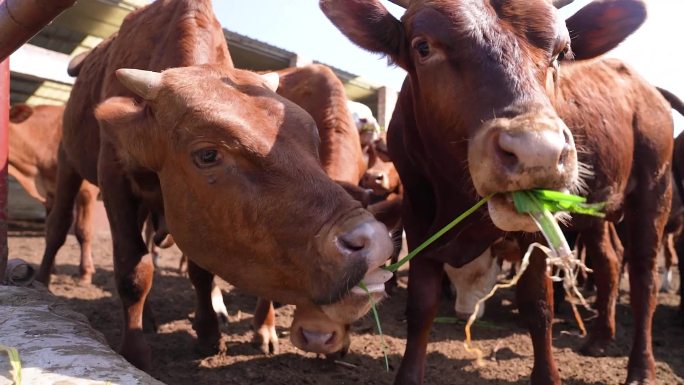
[34, 136]
[232, 167]
[317, 90]
[490, 79]
[678, 169]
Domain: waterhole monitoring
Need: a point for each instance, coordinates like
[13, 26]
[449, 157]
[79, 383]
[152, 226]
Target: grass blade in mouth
[540, 205]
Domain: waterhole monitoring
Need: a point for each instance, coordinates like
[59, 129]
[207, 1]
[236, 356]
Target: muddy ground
[505, 342]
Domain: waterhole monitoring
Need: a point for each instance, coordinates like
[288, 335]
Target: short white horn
[272, 80]
[561, 3]
[145, 84]
[401, 3]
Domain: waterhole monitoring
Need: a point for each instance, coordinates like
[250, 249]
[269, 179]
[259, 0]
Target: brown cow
[34, 135]
[480, 114]
[231, 166]
[382, 180]
[678, 172]
[317, 90]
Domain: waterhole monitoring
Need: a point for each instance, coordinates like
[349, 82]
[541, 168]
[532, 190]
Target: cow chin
[325, 329]
[504, 215]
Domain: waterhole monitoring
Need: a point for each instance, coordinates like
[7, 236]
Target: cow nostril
[564, 155]
[331, 339]
[350, 244]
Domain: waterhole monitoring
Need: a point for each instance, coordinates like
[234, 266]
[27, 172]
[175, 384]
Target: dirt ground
[505, 343]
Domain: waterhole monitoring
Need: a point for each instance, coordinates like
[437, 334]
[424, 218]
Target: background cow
[34, 135]
[485, 79]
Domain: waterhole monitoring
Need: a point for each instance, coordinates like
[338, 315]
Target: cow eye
[423, 48]
[561, 55]
[206, 157]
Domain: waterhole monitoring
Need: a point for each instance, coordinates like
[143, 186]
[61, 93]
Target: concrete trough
[57, 345]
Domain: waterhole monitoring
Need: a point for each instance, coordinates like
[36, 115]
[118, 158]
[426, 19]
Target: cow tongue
[374, 281]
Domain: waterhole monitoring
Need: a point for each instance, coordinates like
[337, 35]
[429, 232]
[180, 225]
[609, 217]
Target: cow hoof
[266, 339]
[641, 378]
[594, 348]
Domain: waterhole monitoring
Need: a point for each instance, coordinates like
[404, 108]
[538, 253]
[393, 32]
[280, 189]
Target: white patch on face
[472, 282]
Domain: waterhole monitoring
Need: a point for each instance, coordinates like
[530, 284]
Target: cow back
[164, 34]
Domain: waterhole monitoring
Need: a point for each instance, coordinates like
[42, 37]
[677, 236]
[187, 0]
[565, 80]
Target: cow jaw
[326, 329]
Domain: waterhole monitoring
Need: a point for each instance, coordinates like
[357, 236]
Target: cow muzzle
[526, 152]
[356, 247]
[325, 329]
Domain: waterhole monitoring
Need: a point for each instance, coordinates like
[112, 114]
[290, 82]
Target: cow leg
[263, 325]
[424, 287]
[534, 294]
[606, 268]
[645, 233]
[206, 324]
[60, 216]
[397, 236]
[670, 257]
[679, 248]
[133, 268]
[85, 206]
[148, 230]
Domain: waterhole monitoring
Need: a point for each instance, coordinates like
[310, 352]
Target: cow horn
[145, 84]
[272, 80]
[401, 3]
[561, 3]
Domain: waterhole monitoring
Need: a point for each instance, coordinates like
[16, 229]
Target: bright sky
[299, 26]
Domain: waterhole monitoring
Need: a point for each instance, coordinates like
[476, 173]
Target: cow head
[326, 329]
[483, 75]
[381, 177]
[472, 282]
[476, 279]
[244, 193]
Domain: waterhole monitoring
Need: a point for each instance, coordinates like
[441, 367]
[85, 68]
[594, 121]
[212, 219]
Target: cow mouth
[504, 215]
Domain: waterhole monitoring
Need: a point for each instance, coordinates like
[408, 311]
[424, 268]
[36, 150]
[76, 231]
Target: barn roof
[39, 68]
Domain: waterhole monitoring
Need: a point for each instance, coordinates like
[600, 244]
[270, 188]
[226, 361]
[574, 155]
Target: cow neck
[453, 193]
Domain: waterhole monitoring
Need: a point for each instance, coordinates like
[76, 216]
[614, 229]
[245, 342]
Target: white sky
[655, 50]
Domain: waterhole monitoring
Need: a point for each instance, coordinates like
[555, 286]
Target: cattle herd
[265, 180]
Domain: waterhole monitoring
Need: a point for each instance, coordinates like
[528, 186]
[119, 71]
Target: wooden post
[4, 147]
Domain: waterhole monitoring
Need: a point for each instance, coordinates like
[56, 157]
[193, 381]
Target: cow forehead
[234, 108]
[487, 22]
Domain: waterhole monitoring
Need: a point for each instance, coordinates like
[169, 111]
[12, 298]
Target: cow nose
[369, 239]
[317, 341]
[529, 150]
[373, 179]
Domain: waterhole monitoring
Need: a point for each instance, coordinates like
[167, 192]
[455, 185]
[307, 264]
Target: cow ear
[132, 130]
[359, 194]
[20, 112]
[368, 24]
[603, 24]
